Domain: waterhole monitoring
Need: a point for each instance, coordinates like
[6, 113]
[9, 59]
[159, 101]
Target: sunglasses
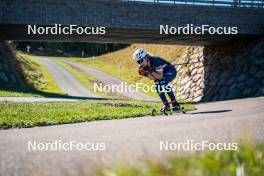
[140, 61]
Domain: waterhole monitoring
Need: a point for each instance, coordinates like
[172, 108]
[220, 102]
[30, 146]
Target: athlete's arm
[157, 73]
[150, 76]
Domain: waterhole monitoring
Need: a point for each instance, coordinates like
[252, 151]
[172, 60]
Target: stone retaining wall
[224, 72]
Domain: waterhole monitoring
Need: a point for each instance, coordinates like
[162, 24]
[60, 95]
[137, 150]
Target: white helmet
[139, 54]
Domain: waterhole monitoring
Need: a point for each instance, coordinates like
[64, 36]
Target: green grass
[39, 114]
[17, 93]
[219, 163]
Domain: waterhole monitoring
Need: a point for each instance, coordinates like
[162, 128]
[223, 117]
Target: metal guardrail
[227, 3]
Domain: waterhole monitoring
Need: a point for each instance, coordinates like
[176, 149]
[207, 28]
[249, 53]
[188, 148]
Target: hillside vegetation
[36, 74]
[73, 49]
[121, 64]
[23, 75]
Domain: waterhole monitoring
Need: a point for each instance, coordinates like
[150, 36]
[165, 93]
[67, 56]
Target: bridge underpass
[128, 21]
[123, 35]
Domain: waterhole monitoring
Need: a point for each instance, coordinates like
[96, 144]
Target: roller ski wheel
[167, 111]
[164, 111]
[182, 110]
[154, 112]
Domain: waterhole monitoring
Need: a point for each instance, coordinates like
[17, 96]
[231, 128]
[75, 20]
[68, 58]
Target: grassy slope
[121, 65]
[39, 114]
[16, 93]
[50, 84]
[36, 76]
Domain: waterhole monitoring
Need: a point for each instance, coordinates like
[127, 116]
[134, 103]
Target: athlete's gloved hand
[142, 71]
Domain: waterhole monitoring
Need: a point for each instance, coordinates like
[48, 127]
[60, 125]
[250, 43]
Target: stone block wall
[224, 72]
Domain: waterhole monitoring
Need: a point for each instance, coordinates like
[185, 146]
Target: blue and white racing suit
[169, 73]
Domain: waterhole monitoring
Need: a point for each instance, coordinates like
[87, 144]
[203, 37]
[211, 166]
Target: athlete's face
[144, 63]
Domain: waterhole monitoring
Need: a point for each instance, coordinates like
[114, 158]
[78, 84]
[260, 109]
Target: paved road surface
[107, 79]
[130, 139]
[66, 82]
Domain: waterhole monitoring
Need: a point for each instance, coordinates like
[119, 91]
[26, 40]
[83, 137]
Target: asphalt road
[128, 139]
[66, 82]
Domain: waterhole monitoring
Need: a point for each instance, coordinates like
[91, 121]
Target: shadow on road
[209, 112]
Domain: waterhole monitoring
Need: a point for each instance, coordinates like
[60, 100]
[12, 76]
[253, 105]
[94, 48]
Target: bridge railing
[230, 3]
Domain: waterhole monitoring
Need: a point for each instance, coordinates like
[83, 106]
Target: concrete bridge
[127, 21]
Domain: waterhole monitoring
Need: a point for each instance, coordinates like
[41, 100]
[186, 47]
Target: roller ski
[167, 110]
